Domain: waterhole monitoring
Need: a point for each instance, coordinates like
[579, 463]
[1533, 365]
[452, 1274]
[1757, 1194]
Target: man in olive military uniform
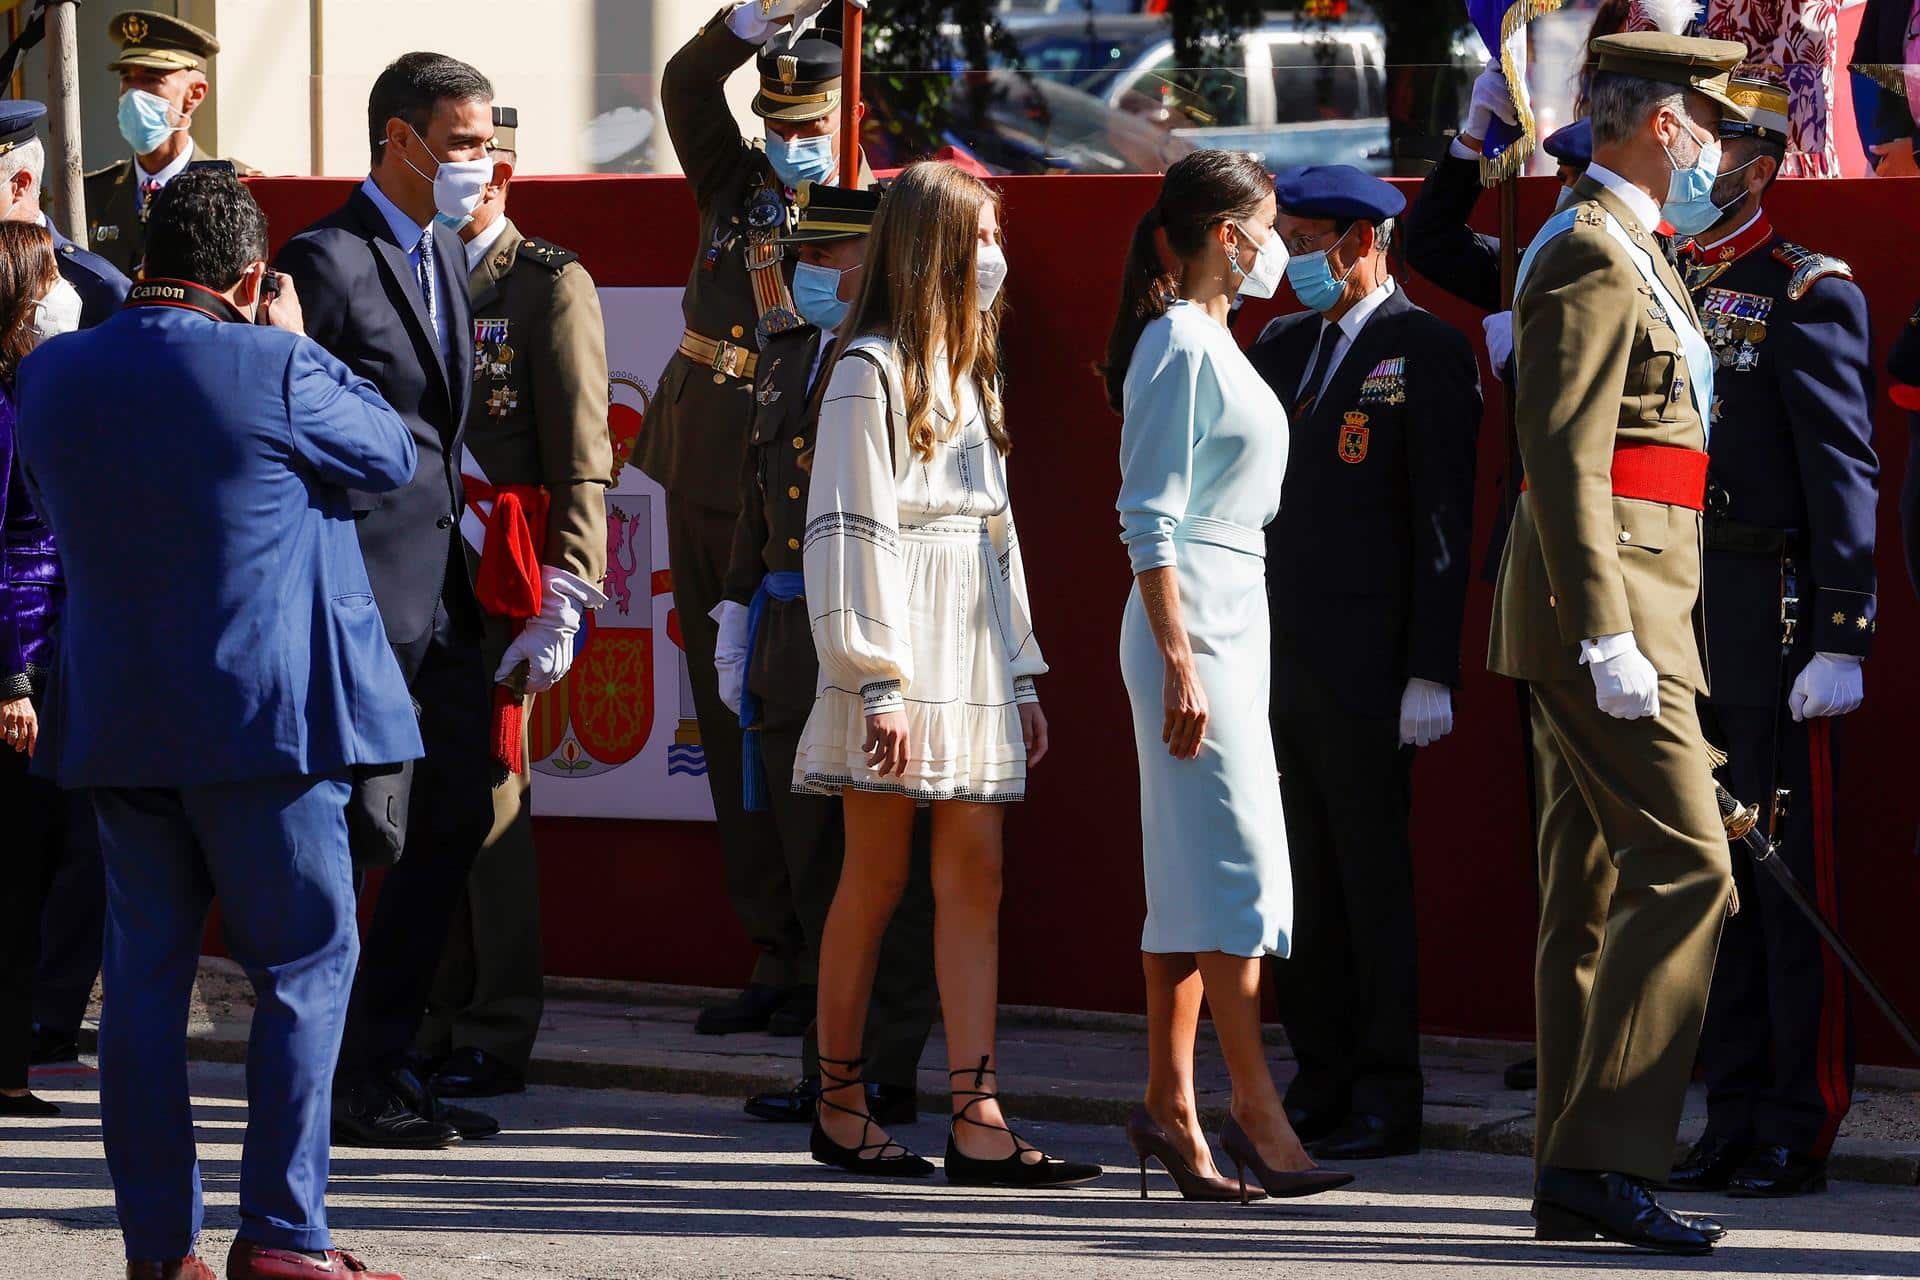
[738, 294]
[537, 431]
[765, 655]
[163, 81]
[1613, 388]
[1790, 612]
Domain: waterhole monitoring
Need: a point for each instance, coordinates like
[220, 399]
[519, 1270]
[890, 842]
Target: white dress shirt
[1350, 326]
[482, 244]
[173, 169]
[1638, 202]
[409, 234]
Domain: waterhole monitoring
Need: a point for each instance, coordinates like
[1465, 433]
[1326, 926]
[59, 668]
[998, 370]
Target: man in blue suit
[219, 745]
[384, 280]
[75, 892]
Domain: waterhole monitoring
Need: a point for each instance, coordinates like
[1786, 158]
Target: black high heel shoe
[1147, 1138]
[1280, 1183]
[869, 1159]
[964, 1170]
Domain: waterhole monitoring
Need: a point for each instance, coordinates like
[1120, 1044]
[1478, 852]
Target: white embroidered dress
[915, 591]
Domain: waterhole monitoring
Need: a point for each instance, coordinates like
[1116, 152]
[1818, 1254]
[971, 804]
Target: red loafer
[188, 1268]
[248, 1261]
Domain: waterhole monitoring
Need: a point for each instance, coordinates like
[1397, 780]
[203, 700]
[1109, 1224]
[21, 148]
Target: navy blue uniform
[1367, 577]
[101, 285]
[1791, 497]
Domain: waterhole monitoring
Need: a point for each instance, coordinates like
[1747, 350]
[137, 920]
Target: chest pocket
[1663, 374]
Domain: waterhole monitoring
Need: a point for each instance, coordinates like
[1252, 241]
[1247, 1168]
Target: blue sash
[1693, 343]
[753, 770]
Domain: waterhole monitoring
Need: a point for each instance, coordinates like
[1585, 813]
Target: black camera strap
[184, 295]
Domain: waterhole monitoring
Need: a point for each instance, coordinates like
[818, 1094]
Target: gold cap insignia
[789, 69]
[134, 28]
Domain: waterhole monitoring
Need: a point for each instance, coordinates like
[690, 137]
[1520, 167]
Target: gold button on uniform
[739, 332]
[719, 379]
[793, 544]
[793, 491]
[799, 442]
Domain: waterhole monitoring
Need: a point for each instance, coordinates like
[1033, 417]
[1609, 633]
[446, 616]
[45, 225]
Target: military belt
[718, 355]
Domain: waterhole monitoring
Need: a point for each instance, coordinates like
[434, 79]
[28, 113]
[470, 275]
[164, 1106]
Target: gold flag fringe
[1510, 162]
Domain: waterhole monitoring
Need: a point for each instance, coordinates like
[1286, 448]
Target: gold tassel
[1510, 162]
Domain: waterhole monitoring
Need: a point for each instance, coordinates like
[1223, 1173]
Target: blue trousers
[274, 851]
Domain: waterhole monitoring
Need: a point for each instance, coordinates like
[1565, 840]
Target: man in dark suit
[261, 648]
[75, 904]
[1790, 609]
[1367, 572]
[385, 285]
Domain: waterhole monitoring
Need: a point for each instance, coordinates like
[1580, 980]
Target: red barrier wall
[644, 900]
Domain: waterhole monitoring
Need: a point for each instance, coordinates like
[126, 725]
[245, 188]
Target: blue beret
[17, 119]
[1335, 191]
[1572, 144]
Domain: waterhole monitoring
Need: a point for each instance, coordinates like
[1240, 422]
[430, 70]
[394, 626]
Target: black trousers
[449, 814]
[1777, 1047]
[699, 543]
[73, 922]
[35, 814]
[1349, 993]
[812, 837]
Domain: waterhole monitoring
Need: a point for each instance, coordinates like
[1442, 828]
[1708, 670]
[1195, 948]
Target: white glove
[1829, 685]
[755, 20]
[1426, 713]
[1491, 100]
[730, 652]
[1499, 330]
[545, 644]
[1624, 683]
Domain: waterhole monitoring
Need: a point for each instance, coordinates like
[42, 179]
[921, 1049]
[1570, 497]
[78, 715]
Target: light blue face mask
[816, 292]
[1689, 205]
[801, 160]
[146, 121]
[1313, 280]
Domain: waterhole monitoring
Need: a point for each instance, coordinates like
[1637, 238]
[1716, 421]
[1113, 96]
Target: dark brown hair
[27, 270]
[1199, 192]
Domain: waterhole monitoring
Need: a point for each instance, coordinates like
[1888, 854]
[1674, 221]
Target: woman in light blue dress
[1203, 452]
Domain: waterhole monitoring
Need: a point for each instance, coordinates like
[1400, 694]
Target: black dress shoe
[1578, 1204]
[1712, 1228]
[748, 1011]
[1523, 1075]
[1311, 1126]
[893, 1105]
[49, 1046]
[1710, 1164]
[475, 1073]
[796, 1015]
[1364, 1137]
[371, 1114]
[1774, 1172]
[787, 1106]
[26, 1107]
[423, 1101]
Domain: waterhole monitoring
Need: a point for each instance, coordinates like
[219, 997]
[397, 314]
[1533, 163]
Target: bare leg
[1233, 996]
[1174, 993]
[872, 878]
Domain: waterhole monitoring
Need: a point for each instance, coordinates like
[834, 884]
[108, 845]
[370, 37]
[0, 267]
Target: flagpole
[850, 22]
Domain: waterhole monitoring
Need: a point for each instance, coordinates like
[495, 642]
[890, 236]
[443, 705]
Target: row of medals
[1734, 322]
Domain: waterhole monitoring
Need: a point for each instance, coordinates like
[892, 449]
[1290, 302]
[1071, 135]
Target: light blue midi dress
[1203, 452]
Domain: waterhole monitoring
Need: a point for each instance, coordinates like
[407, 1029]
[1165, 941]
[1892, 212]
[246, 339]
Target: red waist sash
[1659, 473]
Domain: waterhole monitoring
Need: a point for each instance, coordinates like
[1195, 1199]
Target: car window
[1209, 98]
[1316, 80]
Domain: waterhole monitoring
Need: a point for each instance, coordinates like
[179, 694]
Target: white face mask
[57, 313]
[989, 273]
[1269, 265]
[458, 185]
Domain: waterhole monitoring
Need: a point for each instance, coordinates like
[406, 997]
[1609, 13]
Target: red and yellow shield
[1353, 437]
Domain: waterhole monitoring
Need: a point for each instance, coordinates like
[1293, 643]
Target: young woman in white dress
[927, 659]
[1203, 453]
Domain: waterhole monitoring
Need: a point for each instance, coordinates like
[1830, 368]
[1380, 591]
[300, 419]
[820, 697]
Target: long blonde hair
[919, 292]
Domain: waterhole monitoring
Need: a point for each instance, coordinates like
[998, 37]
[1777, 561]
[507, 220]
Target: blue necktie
[426, 284]
[1322, 362]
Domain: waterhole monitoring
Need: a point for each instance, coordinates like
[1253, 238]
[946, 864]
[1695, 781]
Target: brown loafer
[249, 1261]
[188, 1268]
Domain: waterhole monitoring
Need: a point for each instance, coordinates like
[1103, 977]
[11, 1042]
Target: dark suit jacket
[1440, 244]
[101, 285]
[1367, 560]
[1883, 47]
[362, 302]
[221, 535]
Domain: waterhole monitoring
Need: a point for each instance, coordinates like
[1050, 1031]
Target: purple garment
[31, 589]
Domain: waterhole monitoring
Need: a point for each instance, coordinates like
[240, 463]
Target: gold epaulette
[1591, 214]
[1807, 267]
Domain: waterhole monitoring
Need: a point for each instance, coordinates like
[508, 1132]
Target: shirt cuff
[1606, 648]
[1024, 691]
[882, 696]
[745, 21]
[1461, 151]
